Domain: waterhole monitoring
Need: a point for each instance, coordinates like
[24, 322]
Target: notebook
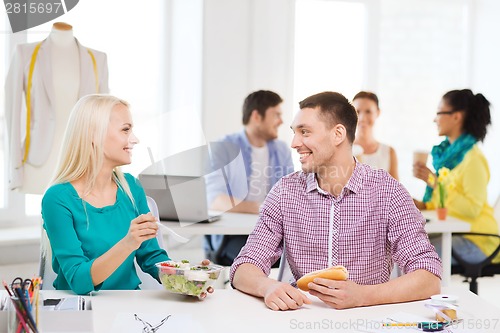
[179, 198]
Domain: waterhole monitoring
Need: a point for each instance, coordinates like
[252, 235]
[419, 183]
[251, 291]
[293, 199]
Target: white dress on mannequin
[65, 64]
[61, 71]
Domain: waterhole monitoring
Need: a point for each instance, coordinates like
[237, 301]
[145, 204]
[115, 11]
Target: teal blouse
[79, 233]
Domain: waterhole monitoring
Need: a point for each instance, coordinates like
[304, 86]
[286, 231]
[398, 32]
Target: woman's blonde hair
[82, 152]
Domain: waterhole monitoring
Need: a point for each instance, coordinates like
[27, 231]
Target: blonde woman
[96, 217]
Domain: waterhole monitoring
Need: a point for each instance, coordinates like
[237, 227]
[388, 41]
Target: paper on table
[126, 322]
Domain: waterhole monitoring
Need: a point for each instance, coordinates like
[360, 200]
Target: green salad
[179, 284]
[182, 278]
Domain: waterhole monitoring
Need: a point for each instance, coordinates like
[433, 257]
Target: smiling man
[264, 159]
[337, 211]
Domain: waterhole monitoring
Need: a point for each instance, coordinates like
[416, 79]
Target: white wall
[485, 78]
[247, 46]
[422, 54]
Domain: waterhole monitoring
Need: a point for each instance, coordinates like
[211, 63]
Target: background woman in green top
[463, 118]
[97, 218]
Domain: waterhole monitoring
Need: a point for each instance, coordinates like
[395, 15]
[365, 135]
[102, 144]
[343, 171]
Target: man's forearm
[225, 203]
[251, 280]
[416, 285]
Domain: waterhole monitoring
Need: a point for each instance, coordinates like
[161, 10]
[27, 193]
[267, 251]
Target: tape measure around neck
[28, 95]
[96, 73]
[28, 103]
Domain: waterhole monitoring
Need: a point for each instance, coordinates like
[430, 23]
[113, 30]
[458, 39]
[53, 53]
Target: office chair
[45, 266]
[48, 275]
[215, 256]
[473, 271]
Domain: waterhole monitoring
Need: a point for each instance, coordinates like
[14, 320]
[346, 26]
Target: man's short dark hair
[335, 109]
[259, 100]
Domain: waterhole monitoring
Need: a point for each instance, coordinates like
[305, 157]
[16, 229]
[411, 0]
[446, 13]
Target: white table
[232, 311]
[445, 228]
[243, 224]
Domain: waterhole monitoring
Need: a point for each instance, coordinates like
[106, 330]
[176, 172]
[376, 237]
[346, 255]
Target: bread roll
[332, 273]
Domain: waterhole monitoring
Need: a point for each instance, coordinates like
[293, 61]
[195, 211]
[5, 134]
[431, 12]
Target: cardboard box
[58, 321]
[62, 318]
[3, 321]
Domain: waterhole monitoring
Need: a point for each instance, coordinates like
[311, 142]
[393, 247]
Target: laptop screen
[179, 198]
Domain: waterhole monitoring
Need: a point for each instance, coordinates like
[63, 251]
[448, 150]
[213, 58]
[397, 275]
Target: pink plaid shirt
[370, 226]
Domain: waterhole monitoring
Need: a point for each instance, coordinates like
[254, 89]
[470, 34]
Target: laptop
[179, 198]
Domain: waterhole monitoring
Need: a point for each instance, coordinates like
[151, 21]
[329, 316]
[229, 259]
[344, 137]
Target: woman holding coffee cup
[463, 118]
[375, 153]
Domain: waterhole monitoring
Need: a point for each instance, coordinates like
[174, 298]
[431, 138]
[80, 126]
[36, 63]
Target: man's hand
[338, 294]
[282, 296]
[277, 295]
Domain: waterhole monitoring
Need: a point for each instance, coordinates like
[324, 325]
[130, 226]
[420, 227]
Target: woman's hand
[420, 171]
[142, 228]
[210, 290]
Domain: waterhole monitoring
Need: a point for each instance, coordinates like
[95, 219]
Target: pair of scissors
[26, 284]
[25, 287]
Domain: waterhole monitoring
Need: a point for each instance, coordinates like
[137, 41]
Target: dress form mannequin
[65, 69]
[44, 81]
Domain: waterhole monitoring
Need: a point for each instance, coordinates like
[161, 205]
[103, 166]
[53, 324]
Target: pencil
[422, 325]
[36, 300]
[20, 316]
[23, 303]
[6, 286]
[400, 324]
